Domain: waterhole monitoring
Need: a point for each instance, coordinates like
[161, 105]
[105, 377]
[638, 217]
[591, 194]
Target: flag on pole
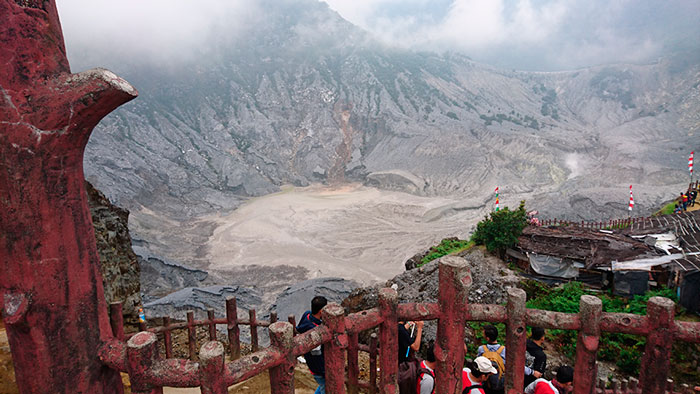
[690, 163]
[498, 205]
[631, 199]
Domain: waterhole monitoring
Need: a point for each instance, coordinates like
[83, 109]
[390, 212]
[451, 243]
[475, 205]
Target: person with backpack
[535, 358]
[497, 354]
[314, 359]
[559, 385]
[475, 374]
[426, 373]
[418, 376]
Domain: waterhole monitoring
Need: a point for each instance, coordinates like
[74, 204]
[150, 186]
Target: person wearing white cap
[476, 374]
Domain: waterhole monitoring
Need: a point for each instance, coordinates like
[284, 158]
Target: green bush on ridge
[501, 229]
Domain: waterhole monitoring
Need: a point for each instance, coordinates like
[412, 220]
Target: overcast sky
[520, 34]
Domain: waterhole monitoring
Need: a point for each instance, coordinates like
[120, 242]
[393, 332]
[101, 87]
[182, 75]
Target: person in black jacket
[406, 340]
[692, 195]
[314, 358]
[535, 358]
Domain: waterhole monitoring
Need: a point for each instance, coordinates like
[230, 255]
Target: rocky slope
[307, 97]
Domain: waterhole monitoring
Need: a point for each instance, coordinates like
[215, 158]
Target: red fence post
[282, 376]
[167, 339]
[191, 334]
[373, 363]
[293, 321]
[353, 364]
[586, 369]
[211, 368]
[333, 316]
[253, 330]
[657, 353]
[388, 340]
[273, 317]
[234, 339]
[116, 320]
[141, 354]
[454, 282]
[633, 385]
[212, 325]
[516, 338]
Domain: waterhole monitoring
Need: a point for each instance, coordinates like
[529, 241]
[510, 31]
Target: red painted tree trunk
[50, 284]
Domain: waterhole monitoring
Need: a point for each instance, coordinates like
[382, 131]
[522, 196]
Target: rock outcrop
[296, 299]
[160, 277]
[490, 280]
[118, 263]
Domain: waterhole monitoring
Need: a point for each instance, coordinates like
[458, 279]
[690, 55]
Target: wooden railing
[607, 224]
[148, 372]
[636, 222]
[231, 321]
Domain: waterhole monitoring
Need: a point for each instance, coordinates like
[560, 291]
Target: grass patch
[667, 209]
[447, 246]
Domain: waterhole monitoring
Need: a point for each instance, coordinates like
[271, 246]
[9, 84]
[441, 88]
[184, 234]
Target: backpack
[496, 381]
[496, 359]
[470, 388]
[410, 373]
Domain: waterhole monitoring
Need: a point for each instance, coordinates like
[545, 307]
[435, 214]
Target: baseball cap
[484, 365]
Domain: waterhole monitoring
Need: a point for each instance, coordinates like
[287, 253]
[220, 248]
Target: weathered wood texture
[51, 289]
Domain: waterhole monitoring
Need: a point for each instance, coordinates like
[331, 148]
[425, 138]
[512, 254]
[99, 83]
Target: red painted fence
[140, 358]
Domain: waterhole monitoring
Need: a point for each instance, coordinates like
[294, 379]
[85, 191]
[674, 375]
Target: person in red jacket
[562, 384]
[476, 373]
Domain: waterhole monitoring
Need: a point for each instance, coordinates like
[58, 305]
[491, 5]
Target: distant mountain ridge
[308, 97]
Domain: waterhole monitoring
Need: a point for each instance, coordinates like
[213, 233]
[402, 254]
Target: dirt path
[304, 383]
[8, 384]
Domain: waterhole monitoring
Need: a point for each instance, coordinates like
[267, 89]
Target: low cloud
[158, 32]
[521, 34]
[530, 34]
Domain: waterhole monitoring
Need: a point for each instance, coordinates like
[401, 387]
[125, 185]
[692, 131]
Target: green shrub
[501, 229]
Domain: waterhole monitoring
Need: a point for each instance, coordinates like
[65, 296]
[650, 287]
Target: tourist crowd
[485, 374]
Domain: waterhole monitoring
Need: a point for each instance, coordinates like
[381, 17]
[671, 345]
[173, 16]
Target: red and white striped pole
[690, 165]
[631, 201]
